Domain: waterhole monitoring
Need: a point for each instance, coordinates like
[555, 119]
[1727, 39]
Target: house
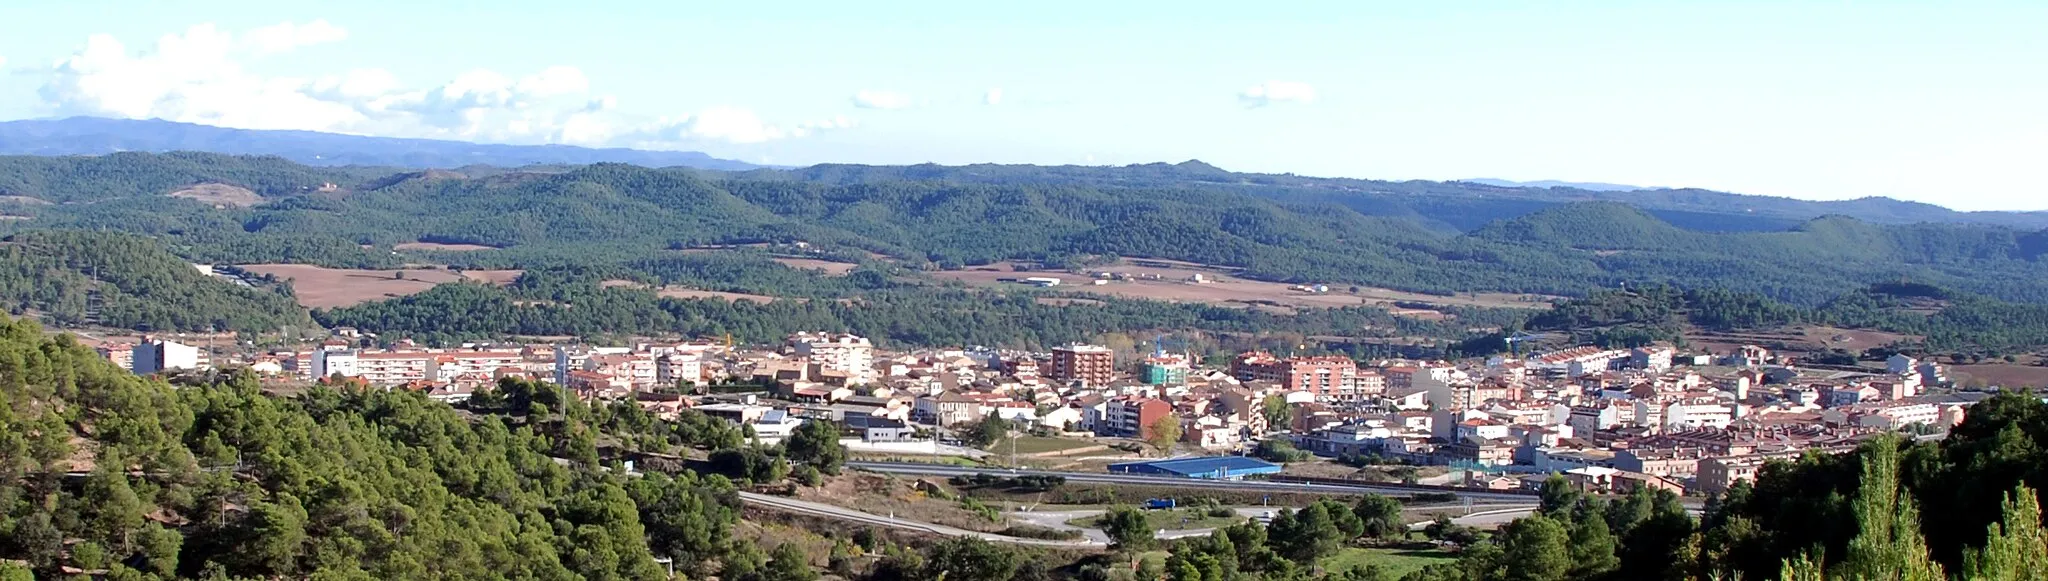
[1062, 418]
[947, 409]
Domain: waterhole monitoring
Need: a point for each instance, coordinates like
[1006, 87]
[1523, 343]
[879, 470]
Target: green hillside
[126, 281]
[939, 217]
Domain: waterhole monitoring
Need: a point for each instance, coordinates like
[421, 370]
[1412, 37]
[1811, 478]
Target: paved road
[1191, 483]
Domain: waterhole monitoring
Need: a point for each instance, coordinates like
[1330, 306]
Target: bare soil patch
[2001, 374]
[24, 200]
[321, 287]
[220, 195]
[1852, 340]
[442, 247]
[1171, 281]
[1062, 302]
[830, 268]
[685, 293]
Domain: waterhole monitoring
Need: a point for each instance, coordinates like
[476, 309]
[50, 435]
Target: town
[1608, 420]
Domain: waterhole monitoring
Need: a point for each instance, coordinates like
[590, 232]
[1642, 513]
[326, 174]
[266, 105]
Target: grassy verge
[1180, 519]
[1396, 561]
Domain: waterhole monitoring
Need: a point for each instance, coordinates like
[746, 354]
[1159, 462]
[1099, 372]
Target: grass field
[1396, 562]
[1039, 445]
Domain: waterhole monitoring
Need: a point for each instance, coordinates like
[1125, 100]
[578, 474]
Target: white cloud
[994, 96]
[869, 99]
[1271, 92]
[286, 36]
[197, 76]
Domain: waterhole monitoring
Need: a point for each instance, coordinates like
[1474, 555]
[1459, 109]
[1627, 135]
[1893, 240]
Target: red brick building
[1088, 364]
[1329, 377]
[1132, 417]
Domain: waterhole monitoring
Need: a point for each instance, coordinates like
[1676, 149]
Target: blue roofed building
[1213, 467]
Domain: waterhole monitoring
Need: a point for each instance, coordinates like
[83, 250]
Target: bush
[1221, 512]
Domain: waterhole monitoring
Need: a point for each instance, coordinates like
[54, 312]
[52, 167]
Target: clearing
[1397, 562]
[685, 293]
[442, 247]
[24, 200]
[1032, 445]
[220, 195]
[677, 292]
[325, 288]
[830, 268]
[2001, 374]
[1162, 280]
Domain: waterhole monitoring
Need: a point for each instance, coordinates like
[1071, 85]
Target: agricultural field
[830, 268]
[2000, 374]
[1171, 281]
[437, 246]
[325, 288]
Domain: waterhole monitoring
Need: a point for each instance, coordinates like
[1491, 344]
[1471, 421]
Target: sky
[1942, 102]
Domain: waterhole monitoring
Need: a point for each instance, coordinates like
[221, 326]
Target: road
[1188, 483]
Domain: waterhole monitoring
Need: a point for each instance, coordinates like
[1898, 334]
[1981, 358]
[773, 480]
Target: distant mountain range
[1588, 186]
[1450, 206]
[98, 136]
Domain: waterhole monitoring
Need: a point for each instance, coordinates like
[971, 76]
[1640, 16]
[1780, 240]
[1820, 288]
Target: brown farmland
[323, 288]
[1169, 281]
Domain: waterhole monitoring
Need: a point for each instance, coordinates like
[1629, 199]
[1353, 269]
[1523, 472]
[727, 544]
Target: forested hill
[270, 210]
[127, 281]
[1462, 203]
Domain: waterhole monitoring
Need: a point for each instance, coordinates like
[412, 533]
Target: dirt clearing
[1173, 281]
[325, 288]
[220, 195]
[442, 247]
[830, 268]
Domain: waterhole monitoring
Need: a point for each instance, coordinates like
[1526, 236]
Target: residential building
[1166, 369]
[1329, 378]
[122, 355]
[1091, 365]
[852, 355]
[157, 355]
[1132, 417]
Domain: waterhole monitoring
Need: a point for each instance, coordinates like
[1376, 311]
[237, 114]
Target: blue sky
[1939, 102]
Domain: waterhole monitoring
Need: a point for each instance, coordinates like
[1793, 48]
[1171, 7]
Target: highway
[915, 469]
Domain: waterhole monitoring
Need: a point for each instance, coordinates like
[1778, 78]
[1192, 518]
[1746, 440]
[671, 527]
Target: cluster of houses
[1607, 418]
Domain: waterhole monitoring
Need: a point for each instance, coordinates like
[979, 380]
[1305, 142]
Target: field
[441, 247]
[324, 288]
[2001, 374]
[688, 293]
[830, 268]
[220, 195]
[1396, 562]
[1168, 281]
[1040, 445]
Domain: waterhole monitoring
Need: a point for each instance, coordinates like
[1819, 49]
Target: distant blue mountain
[1588, 186]
[98, 136]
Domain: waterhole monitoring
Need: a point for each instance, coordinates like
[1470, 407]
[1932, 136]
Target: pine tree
[2017, 548]
[1888, 545]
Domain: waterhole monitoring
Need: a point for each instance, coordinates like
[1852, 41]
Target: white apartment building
[674, 367]
[157, 355]
[400, 367]
[842, 352]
